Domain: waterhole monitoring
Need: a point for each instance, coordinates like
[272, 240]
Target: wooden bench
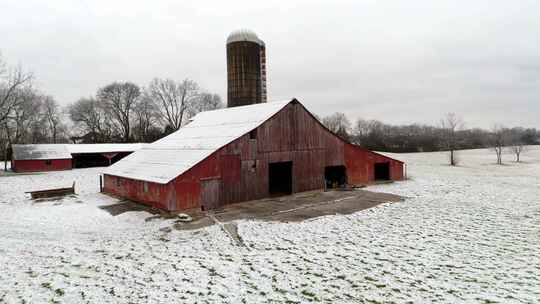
[58, 192]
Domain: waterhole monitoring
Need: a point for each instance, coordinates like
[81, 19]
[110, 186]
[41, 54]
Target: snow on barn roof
[42, 151]
[64, 151]
[103, 148]
[171, 156]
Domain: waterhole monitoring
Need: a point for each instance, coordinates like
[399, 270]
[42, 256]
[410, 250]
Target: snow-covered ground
[469, 234]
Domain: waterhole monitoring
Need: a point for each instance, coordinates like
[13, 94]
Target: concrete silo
[246, 69]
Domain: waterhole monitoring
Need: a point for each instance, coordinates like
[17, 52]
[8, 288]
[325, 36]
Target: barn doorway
[280, 178]
[382, 171]
[335, 176]
[210, 194]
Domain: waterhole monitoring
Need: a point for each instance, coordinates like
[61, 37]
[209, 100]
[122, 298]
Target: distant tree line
[117, 112]
[449, 135]
[126, 112]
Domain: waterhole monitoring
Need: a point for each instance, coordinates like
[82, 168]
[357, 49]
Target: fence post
[100, 183]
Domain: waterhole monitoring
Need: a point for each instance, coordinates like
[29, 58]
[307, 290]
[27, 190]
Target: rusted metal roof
[171, 156]
[42, 151]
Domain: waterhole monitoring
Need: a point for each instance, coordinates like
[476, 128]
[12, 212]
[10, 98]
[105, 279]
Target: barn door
[210, 194]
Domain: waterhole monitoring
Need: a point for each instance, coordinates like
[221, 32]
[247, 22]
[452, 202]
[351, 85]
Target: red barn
[33, 158]
[244, 153]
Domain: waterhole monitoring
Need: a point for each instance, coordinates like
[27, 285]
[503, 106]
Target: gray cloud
[397, 61]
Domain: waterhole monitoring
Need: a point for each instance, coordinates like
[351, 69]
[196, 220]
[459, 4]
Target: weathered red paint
[360, 165]
[35, 165]
[293, 134]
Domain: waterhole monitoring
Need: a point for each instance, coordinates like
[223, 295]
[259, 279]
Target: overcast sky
[396, 61]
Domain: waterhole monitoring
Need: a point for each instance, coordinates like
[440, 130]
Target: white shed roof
[171, 156]
[41, 151]
[103, 148]
[64, 151]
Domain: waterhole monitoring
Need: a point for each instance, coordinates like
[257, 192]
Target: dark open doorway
[335, 176]
[280, 178]
[382, 171]
[88, 160]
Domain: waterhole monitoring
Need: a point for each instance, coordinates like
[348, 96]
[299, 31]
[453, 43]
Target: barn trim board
[226, 156]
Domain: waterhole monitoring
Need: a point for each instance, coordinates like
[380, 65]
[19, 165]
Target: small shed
[43, 157]
[244, 153]
[54, 157]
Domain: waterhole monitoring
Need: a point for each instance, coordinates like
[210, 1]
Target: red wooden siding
[241, 167]
[360, 165]
[35, 165]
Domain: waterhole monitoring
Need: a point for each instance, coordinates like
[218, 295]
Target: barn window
[118, 182]
[48, 162]
[253, 134]
[145, 187]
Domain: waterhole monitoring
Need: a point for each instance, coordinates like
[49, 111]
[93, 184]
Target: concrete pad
[291, 208]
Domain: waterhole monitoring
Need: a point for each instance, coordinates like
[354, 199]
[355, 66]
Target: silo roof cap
[244, 35]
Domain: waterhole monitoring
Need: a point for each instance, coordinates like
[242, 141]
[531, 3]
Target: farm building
[55, 157]
[244, 153]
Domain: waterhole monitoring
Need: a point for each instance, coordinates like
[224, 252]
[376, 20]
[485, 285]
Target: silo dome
[246, 69]
[244, 35]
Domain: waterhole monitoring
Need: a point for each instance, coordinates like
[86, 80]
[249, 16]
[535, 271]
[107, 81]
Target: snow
[103, 148]
[169, 157]
[468, 234]
[244, 35]
[43, 151]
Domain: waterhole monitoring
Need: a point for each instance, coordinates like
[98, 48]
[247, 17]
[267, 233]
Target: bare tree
[516, 143]
[146, 113]
[10, 87]
[12, 83]
[52, 116]
[499, 140]
[88, 114]
[339, 124]
[119, 99]
[450, 126]
[174, 99]
[517, 149]
[204, 102]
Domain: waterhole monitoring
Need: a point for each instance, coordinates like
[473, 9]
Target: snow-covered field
[469, 234]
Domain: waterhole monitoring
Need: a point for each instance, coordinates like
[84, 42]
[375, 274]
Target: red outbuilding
[244, 153]
[34, 158]
[55, 157]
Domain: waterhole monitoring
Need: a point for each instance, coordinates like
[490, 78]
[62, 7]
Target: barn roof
[64, 151]
[42, 151]
[171, 156]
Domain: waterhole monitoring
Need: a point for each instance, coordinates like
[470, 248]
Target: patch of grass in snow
[310, 295]
[59, 292]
